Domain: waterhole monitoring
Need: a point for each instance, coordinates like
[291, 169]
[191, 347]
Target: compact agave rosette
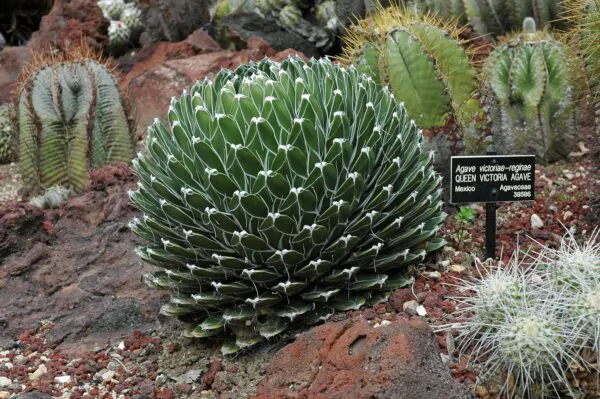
[285, 192]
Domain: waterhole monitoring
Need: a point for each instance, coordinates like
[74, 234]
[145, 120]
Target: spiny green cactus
[496, 17]
[420, 58]
[585, 15]
[125, 23]
[284, 192]
[71, 120]
[535, 82]
[7, 134]
[119, 35]
[112, 9]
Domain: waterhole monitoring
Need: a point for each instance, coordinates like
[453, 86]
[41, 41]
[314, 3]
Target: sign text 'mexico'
[492, 178]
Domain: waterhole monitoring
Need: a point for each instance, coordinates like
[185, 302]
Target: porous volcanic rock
[12, 61]
[87, 279]
[351, 359]
[151, 84]
[69, 23]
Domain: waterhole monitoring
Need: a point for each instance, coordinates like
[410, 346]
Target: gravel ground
[10, 181]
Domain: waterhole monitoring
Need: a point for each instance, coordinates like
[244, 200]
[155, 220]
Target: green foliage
[71, 121]
[536, 84]
[422, 61]
[7, 134]
[463, 217]
[496, 17]
[285, 192]
[533, 320]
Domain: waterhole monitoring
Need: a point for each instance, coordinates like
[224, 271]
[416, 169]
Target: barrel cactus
[536, 84]
[496, 17]
[285, 191]
[7, 134]
[71, 120]
[420, 58]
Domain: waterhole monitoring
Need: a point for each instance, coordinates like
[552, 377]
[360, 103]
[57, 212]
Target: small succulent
[281, 193]
[52, 197]
[7, 134]
[125, 23]
[536, 83]
[112, 9]
[71, 120]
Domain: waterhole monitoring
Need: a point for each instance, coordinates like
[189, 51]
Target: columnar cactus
[420, 58]
[71, 120]
[285, 192]
[7, 135]
[496, 17]
[535, 82]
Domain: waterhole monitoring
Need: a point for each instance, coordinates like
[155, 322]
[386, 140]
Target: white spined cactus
[112, 9]
[52, 198]
[119, 34]
[273, 199]
[532, 322]
[132, 17]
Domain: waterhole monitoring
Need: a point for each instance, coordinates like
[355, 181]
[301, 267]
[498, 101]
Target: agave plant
[284, 192]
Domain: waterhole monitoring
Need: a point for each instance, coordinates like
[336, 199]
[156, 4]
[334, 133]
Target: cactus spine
[420, 58]
[535, 88]
[71, 120]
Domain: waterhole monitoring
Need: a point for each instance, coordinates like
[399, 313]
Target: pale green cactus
[536, 85]
[290, 15]
[112, 9]
[119, 34]
[132, 18]
[285, 192]
[71, 120]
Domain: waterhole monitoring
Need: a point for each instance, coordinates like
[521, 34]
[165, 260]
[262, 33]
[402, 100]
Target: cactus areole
[282, 193]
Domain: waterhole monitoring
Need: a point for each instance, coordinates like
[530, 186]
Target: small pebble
[536, 222]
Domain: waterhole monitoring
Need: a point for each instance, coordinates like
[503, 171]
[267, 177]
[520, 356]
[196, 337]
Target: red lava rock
[69, 23]
[202, 42]
[12, 61]
[350, 359]
[110, 175]
[215, 367]
[399, 297]
[153, 81]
